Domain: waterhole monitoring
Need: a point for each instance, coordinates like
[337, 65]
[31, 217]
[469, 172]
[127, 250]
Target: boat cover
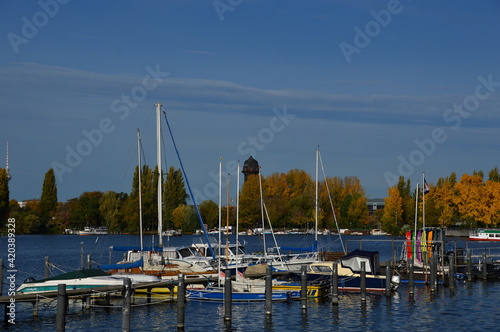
[353, 261]
[131, 265]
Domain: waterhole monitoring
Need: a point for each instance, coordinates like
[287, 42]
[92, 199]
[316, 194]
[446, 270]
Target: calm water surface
[469, 307]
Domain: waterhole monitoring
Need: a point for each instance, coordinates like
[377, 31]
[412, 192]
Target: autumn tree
[301, 205]
[468, 198]
[250, 207]
[443, 195]
[392, 221]
[277, 197]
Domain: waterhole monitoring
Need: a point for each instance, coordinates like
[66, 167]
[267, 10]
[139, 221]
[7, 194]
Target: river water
[470, 306]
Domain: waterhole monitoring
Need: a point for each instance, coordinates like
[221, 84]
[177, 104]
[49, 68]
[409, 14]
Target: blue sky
[417, 91]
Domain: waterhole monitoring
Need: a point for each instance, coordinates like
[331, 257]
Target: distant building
[375, 204]
[251, 166]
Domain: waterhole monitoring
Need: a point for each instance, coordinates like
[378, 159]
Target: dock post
[363, 281]
[303, 287]
[47, 267]
[335, 285]
[228, 289]
[433, 273]
[126, 304]
[1, 276]
[388, 279]
[268, 307]
[451, 272]
[62, 304]
[411, 276]
[181, 301]
[484, 267]
[469, 266]
[89, 261]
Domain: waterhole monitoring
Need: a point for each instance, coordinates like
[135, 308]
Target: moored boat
[81, 279]
[484, 234]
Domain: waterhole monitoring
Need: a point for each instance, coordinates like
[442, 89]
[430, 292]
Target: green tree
[174, 194]
[209, 213]
[494, 175]
[48, 200]
[110, 208]
[86, 212]
[4, 196]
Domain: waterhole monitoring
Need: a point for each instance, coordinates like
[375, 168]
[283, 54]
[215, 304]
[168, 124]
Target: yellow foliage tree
[393, 211]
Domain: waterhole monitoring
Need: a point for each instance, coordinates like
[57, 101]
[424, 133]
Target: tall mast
[140, 183]
[423, 200]
[316, 200]
[158, 157]
[227, 217]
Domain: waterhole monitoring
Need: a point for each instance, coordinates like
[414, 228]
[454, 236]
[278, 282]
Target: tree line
[471, 201]
[288, 200]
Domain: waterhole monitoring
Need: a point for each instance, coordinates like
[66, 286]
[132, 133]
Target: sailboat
[166, 262]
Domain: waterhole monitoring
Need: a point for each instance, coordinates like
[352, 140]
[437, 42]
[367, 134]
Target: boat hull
[217, 295]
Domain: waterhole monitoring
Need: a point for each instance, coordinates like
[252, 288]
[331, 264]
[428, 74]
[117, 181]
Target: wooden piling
[411, 277]
[62, 304]
[127, 290]
[388, 277]
[363, 281]
[228, 296]
[1, 276]
[303, 287]
[268, 306]
[469, 265]
[433, 273]
[451, 272]
[181, 301]
[335, 285]
[484, 273]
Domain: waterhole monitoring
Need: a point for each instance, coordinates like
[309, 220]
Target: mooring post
[181, 301]
[451, 272]
[469, 265]
[62, 304]
[388, 279]
[433, 273]
[228, 296]
[485, 267]
[127, 290]
[411, 276]
[1, 276]
[89, 262]
[268, 306]
[47, 267]
[335, 285]
[363, 281]
[303, 287]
